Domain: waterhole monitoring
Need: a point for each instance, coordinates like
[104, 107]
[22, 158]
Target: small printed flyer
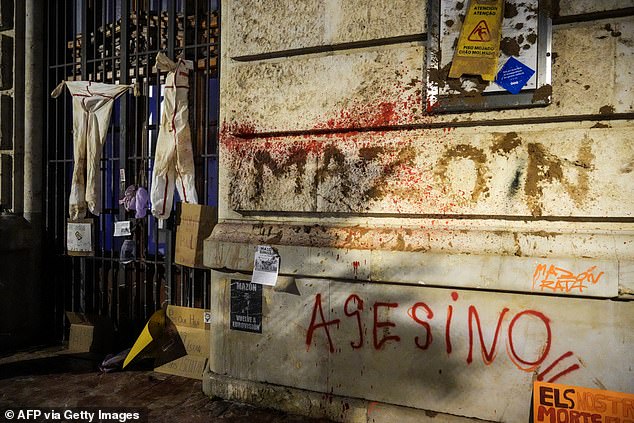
[266, 266]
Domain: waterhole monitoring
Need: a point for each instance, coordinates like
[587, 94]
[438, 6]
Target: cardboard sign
[194, 318]
[196, 223]
[479, 42]
[246, 306]
[194, 332]
[189, 366]
[79, 238]
[89, 333]
[554, 403]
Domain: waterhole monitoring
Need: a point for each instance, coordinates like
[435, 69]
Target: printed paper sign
[266, 266]
[513, 75]
[563, 403]
[246, 306]
[122, 228]
[128, 252]
[79, 237]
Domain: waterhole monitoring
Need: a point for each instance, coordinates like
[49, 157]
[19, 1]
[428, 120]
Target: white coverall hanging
[174, 159]
[92, 107]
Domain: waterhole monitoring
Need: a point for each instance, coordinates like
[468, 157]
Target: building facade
[432, 265]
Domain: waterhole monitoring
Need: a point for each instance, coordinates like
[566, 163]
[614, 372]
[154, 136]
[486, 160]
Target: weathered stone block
[255, 26]
[500, 171]
[6, 122]
[363, 88]
[467, 353]
[6, 62]
[6, 14]
[592, 75]
[579, 7]
[255, 169]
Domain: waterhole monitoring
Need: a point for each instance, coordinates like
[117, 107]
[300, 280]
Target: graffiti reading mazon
[422, 315]
[554, 279]
[349, 172]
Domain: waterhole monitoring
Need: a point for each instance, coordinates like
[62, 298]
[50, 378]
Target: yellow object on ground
[152, 331]
[479, 42]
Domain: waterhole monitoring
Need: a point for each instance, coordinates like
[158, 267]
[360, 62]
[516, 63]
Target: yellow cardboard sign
[553, 403]
[479, 42]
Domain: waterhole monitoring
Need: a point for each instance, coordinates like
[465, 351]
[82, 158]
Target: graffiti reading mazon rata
[550, 278]
[384, 331]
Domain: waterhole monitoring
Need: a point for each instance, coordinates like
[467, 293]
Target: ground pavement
[53, 377]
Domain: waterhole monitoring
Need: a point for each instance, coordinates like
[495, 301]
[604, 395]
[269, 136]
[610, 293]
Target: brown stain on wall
[370, 153]
[505, 143]
[441, 77]
[545, 168]
[608, 109]
[336, 166]
[405, 157]
[510, 46]
[542, 93]
[334, 161]
[262, 159]
[400, 242]
[510, 10]
[464, 151]
[356, 180]
[613, 32]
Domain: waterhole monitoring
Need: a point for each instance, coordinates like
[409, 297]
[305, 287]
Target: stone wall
[330, 154]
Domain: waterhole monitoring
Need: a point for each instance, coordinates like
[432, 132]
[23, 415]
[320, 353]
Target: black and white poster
[246, 306]
[266, 265]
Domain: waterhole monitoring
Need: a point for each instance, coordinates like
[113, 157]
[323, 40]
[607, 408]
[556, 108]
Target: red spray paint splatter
[355, 266]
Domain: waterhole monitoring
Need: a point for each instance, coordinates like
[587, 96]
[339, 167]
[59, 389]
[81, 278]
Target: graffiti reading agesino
[385, 331]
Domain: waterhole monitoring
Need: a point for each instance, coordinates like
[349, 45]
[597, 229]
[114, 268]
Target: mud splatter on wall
[546, 168]
[477, 156]
[419, 172]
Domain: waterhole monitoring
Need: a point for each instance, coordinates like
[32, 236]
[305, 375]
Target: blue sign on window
[513, 75]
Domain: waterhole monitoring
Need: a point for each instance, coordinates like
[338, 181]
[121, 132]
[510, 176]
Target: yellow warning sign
[480, 33]
[479, 42]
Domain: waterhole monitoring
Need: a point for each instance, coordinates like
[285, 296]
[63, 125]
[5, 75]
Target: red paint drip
[431, 107]
[355, 265]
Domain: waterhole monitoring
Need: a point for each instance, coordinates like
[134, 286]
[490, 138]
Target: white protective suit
[92, 107]
[174, 158]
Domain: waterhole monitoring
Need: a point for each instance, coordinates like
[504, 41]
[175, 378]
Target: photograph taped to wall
[525, 38]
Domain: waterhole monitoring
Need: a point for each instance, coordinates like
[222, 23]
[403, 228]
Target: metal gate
[116, 41]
